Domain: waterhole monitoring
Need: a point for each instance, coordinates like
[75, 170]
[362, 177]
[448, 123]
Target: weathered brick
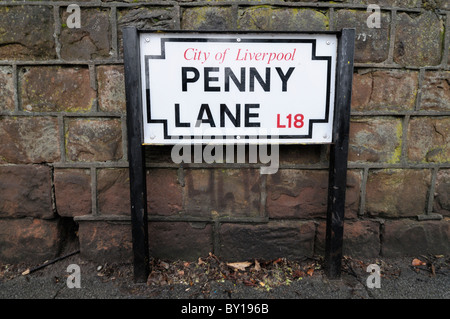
[361, 239]
[156, 18]
[164, 192]
[414, 238]
[89, 42]
[72, 192]
[375, 140]
[29, 140]
[441, 203]
[55, 88]
[303, 194]
[26, 33]
[418, 39]
[111, 88]
[94, 140]
[300, 154]
[26, 191]
[105, 241]
[28, 240]
[380, 90]
[229, 192]
[372, 44]
[180, 240]
[429, 139]
[282, 19]
[113, 191]
[289, 239]
[6, 89]
[394, 193]
[436, 91]
[207, 18]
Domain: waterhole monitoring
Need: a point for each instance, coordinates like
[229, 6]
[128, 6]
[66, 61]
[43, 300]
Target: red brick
[37, 42]
[93, 40]
[442, 193]
[361, 239]
[391, 90]
[289, 239]
[94, 140]
[436, 91]
[113, 191]
[418, 39]
[415, 238]
[429, 139]
[111, 88]
[282, 19]
[6, 89]
[164, 192]
[375, 140]
[55, 89]
[207, 18]
[230, 192]
[371, 44]
[303, 194]
[73, 192]
[26, 191]
[180, 240]
[105, 241]
[397, 193]
[29, 140]
[28, 240]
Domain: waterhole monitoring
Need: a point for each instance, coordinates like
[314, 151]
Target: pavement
[427, 280]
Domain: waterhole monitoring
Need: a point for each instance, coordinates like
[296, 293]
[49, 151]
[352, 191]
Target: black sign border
[314, 57]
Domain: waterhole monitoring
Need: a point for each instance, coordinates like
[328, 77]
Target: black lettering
[208, 79]
[185, 80]
[236, 120]
[177, 117]
[248, 115]
[264, 84]
[285, 77]
[205, 108]
[239, 84]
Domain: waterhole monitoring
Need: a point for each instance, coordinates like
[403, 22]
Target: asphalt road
[399, 280]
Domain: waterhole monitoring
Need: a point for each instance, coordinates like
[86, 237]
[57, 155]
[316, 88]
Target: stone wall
[63, 149]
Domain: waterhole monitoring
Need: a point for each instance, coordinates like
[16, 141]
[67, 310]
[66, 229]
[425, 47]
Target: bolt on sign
[237, 88]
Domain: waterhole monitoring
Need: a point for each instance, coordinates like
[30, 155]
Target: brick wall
[63, 149]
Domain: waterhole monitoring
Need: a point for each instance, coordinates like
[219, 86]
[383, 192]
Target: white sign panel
[237, 88]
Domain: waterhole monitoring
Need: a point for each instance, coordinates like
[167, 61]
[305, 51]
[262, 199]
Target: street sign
[240, 88]
[237, 88]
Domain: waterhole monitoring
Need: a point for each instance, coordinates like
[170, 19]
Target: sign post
[238, 88]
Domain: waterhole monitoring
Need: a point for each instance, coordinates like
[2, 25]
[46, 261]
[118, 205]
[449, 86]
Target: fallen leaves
[418, 262]
[239, 265]
[432, 265]
[257, 273]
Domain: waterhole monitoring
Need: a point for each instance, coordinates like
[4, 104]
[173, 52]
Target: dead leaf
[310, 271]
[239, 265]
[257, 265]
[200, 261]
[418, 262]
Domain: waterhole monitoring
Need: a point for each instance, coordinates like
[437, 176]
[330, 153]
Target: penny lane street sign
[238, 88]
[241, 88]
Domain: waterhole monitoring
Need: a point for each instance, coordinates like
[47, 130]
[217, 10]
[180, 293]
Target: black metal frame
[338, 151]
